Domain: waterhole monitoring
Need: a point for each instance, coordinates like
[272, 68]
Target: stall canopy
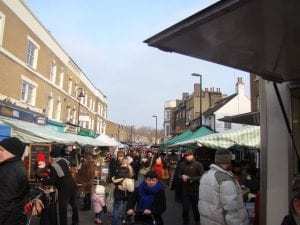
[192, 139]
[109, 141]
[177, 138]
[258, 36]
[33, 133]
[245, 137]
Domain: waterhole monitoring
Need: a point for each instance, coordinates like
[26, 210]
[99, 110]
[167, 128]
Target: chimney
[240, 86]
[185, 95]
[197, 89]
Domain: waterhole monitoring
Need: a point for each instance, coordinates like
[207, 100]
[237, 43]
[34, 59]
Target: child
[98, 200]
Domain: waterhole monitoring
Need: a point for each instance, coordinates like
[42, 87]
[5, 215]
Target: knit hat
[14, 146]
[223, 156]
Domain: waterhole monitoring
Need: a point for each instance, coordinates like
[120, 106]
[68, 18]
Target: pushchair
[139, 219]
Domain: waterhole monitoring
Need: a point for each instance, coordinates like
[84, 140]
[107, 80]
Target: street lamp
[200, 96]
[80, 96]
[155, 116]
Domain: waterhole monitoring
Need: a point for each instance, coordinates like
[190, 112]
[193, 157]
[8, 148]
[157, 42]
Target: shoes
[98, 221]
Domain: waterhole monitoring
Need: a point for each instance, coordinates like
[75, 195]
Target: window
[227, 125]
[70, 87]
[2, 23]
[68, 114]
[49, 109]
[91, 103]
[53, 71]
[28, 91]
[32, 53]
[61, 78]
[74, 118]
[58, 110]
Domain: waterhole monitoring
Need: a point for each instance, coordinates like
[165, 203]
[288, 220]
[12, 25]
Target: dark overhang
[251, 118]
[258, 36]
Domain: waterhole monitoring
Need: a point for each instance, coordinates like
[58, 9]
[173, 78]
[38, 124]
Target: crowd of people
[129, 186]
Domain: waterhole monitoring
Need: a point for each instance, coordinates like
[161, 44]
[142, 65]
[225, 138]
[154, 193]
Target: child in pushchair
[148, 201]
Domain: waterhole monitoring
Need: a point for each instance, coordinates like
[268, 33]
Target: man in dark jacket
[148, 199]
[61, 178]
[14, 187]
[190, 172]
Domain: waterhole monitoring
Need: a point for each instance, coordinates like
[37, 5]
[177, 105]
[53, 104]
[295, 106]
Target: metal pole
[156, 130]
[200, 93]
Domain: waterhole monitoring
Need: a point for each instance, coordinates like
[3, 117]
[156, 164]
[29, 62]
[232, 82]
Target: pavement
[171, 217]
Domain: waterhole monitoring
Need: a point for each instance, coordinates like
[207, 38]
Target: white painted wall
[238, 105]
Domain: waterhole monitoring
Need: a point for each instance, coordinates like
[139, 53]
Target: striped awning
[247, 137]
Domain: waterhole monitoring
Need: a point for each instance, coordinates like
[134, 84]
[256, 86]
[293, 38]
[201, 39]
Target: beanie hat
[223, 156]
[14, 146]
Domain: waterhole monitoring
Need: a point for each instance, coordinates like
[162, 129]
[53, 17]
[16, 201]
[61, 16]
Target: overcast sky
[105, 38]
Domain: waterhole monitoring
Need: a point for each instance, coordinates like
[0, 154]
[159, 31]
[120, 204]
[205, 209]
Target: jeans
[190, 201]
[119, 210]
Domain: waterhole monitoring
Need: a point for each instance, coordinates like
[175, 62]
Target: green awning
[246, 137]
[192, 139]
[33, 133]
[177, 138]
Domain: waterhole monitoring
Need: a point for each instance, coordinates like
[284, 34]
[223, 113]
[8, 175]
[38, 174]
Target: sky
[105, 38]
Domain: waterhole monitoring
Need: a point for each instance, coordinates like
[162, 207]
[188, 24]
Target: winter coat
[220, 199]
[14, 190]
[61, 178]
[153, 199]
[86, 175]
[177, 183]
[98, 202]
[288, 220]
[124, 184]
[194, 170]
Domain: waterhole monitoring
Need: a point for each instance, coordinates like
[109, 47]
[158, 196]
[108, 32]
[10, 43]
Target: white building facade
[235, 104]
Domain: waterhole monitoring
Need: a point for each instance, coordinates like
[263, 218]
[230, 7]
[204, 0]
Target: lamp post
[81, 95]
[155, 116]
[200, 96]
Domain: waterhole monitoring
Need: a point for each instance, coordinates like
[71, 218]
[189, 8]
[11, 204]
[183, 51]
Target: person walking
[148, 199]
[85, 177]
[14, 186]
[61, 178]
[220, 195]
[124, 186]
[190, 172]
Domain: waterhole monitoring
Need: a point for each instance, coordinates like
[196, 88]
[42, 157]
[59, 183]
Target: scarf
[146, 195]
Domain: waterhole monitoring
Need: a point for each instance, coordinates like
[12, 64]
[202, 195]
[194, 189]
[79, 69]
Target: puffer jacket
[220, 199]
[14, 192]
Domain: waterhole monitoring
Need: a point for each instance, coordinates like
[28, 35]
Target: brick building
[187, 112]
[120, 132]
[36, 73]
